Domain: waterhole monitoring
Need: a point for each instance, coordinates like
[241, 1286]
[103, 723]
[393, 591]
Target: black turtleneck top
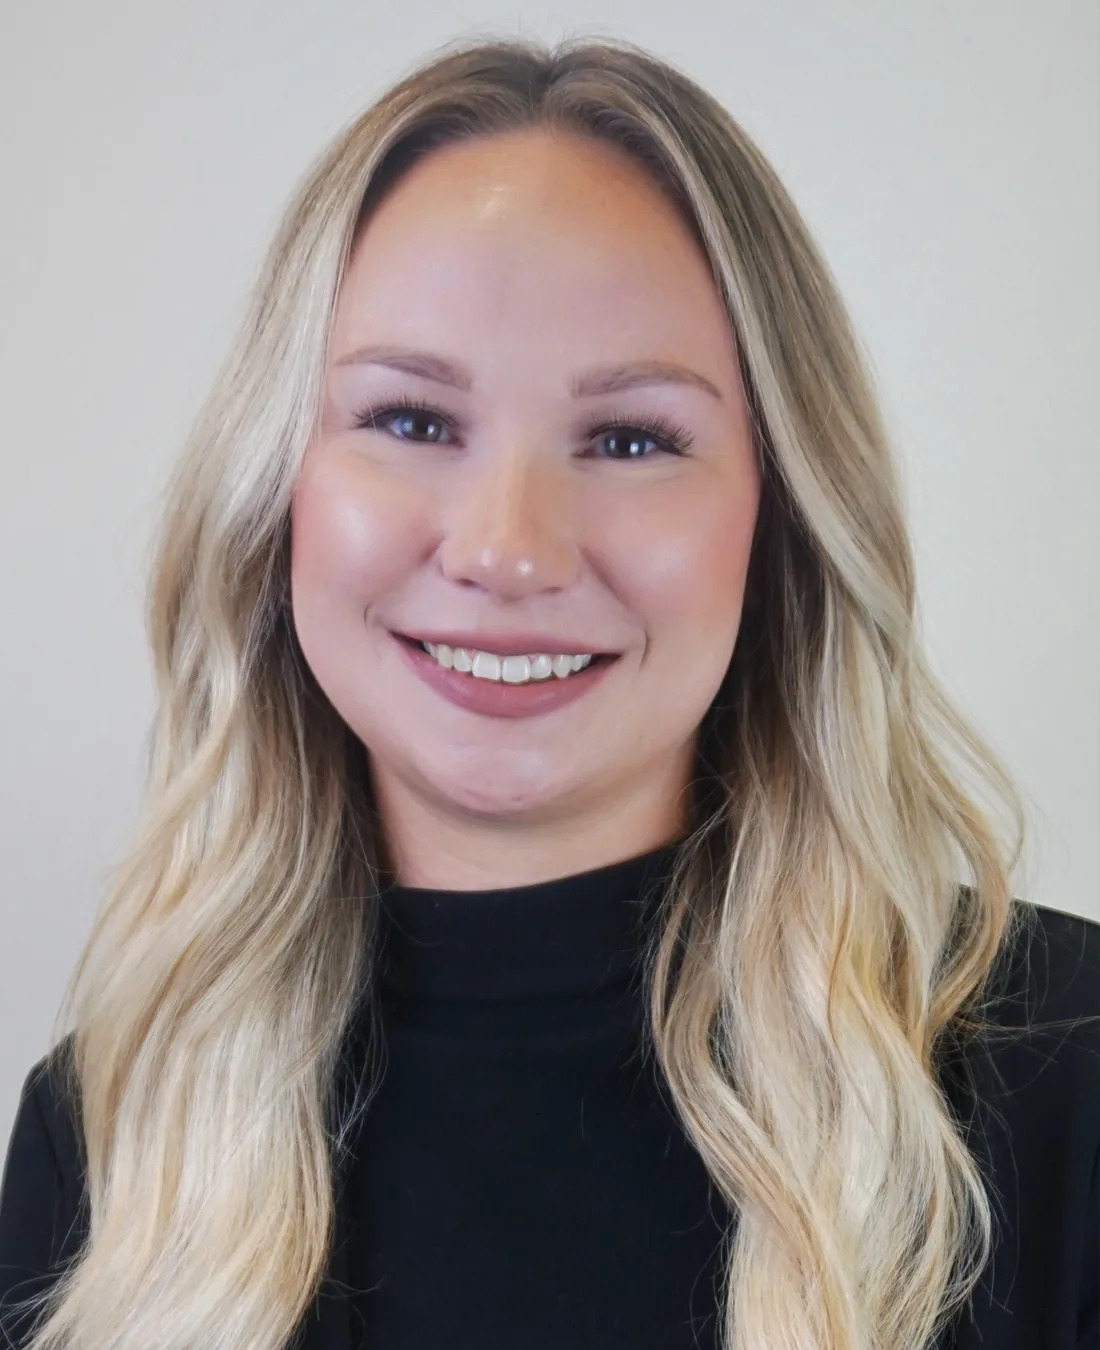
[521, 1179]
[521, 1182]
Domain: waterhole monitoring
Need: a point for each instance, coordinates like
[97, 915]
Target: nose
[509, 530]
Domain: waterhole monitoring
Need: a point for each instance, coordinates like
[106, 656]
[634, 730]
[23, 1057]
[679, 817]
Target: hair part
[836, 908]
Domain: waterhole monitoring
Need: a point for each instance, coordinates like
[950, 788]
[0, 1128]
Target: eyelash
[670, 437]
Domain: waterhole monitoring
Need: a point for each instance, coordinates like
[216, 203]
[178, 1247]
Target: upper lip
[510, 644]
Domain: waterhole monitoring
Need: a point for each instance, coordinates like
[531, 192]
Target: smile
[507, 669]
[489, 686]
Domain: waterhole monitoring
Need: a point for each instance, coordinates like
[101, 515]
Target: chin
[500, 796]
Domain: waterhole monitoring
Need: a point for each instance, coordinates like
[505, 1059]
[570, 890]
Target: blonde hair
[817, 939]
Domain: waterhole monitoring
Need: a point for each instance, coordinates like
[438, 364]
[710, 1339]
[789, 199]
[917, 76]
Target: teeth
[506, 669]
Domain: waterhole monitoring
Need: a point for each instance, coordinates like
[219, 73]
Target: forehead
[526, 234]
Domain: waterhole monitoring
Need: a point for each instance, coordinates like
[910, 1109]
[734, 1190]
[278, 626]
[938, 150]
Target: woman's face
[538, 294]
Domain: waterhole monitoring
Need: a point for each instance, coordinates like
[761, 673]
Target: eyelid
[378, 410]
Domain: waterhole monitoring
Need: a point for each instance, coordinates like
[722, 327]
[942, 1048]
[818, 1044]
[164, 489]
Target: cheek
[684, 567]
[346, 545]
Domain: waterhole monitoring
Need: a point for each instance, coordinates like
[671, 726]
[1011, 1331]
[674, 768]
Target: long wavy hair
[838, 904]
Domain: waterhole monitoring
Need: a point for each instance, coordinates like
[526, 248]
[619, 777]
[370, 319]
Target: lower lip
[493, 698]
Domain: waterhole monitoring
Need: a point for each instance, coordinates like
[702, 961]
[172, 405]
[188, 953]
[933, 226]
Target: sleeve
[31, 1192]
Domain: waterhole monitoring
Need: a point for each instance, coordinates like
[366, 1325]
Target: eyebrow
[601, 380]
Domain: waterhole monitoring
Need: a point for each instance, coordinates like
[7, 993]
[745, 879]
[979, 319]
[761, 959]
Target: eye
[408, 414]
[669, 437]
[624, 435]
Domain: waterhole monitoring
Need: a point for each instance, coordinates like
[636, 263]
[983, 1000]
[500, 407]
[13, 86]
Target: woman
[546, 927]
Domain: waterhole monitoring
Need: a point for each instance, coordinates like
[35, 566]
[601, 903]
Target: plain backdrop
[945, 154]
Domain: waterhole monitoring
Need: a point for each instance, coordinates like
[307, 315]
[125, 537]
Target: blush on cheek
[351, 544]
[692, 572]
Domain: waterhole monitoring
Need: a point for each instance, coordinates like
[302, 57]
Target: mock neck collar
[573, 936]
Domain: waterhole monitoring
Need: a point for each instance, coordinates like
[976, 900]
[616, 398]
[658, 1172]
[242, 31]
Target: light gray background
[946, 154]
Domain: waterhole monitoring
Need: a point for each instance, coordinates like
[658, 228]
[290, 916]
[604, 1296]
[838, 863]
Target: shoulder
[47, 1088]
[1040, 1017]
[1027, 1084]
[1026, 1091]
[1048, 974]
[1030, 1075]
[42, 1192]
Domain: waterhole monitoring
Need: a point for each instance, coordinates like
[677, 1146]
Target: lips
[497, 698]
